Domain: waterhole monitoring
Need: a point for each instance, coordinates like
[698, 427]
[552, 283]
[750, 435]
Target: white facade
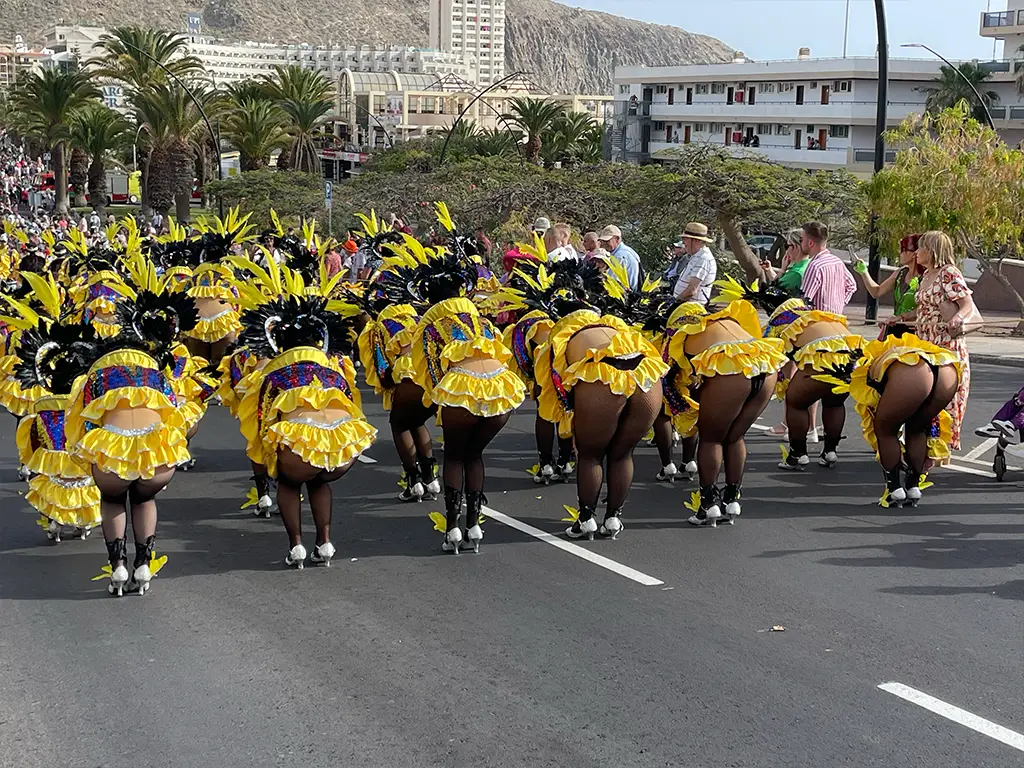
[808, 113]
[1007, 26]
[474, 29]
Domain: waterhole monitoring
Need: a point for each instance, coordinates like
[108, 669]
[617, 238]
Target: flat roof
[855, 67]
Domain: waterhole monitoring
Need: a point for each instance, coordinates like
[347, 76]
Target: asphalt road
[528, 654]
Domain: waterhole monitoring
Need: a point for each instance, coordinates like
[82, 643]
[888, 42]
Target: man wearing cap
[610, 239]
[541, 226]
[697, 277]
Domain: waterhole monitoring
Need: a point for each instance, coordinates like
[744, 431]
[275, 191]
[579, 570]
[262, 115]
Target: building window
[717, 127]
[717, 88]
[700, 127]
[782, 130]
[659, 126]
[785, 87]
[764, 129]
[661, 89]
[766, 87]
[624, 88]
[842, 86]
[839, 131]
[702, 88]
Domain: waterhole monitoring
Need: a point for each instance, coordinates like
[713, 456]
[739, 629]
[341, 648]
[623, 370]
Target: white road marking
[365, 459]
[982, 449]
[970, 470]
[573, 549]
[760, 428]
[957, 715]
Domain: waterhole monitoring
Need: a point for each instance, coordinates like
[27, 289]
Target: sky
[776, 29]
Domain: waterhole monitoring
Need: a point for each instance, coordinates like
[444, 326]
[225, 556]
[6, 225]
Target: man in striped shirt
[827, 284]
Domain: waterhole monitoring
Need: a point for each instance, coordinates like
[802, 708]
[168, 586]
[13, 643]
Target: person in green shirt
[902, 284]
[794, 262]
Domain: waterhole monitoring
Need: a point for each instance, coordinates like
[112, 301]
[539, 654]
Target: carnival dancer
[530, 290]
[123, 419]
[817, 342]
[301, 413]
[462, 366]
[52, 356]
[903, 383]
[730, 371]
[601, 383]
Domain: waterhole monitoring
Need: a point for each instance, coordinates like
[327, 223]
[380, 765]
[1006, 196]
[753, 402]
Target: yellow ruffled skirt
[679, 407]
[327, 447]
[18, 401]
[133, 454]
[822, 355]
[880, 355]
[482, 394]
[749, 358]
[210, 330]
[73, 502]
[105, 330]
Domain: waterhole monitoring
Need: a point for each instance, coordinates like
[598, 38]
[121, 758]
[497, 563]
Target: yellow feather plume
[45, 291]
[444, 218]
[440, 522]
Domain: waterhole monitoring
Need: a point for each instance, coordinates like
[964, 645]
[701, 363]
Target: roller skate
[612, 525]
[475, 501]
[731, 499]
[414, 490]
[323, 554]
[142, 576]
[453, 532]
[668, 473]
[428, 476]
[117, 554]
[585, 525]
[709, 511]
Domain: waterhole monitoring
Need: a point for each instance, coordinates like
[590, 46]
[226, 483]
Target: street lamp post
[881, 117]
[215, 135]
[974, 90]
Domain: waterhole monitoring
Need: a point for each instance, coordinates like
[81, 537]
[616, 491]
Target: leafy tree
[306, 97]
[255, 127]
[570, 140]
[954, 174]
[44, 103]
[294, 195]
[535, 117]
[749, 192]
[949, 89]
[100, 132]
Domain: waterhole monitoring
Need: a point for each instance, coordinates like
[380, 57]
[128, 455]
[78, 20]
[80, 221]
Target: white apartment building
[807, 113]
[474, 29]
[1007, 26]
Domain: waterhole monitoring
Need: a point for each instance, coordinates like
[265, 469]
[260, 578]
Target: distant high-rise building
[474, 29]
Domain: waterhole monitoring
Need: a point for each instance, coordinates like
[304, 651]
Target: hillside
[566, 49]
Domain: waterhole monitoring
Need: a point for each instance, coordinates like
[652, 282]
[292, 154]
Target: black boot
[585, 525]
[453, 509]
[709, 511]
[141, 574]
[117, 554]
[428, 475]
[912, 486]
[475, 501]
[894, 494]
[413, 490]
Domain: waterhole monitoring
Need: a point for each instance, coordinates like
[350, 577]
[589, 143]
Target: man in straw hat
[695, 279]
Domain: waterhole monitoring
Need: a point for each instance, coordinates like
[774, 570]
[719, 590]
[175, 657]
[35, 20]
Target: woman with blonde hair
[943, 304]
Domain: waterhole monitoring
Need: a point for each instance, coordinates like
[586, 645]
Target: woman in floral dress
[943, 282]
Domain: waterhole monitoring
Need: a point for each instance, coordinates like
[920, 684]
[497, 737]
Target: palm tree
[45, 102]
[174, 128]
[255, 127]
[495, 142]
[78, 175]
[306, 97]
[534, 117]
[950, 89]
[566, 140]
[100, 132]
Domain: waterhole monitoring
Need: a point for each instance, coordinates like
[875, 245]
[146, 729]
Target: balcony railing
[1002, 19]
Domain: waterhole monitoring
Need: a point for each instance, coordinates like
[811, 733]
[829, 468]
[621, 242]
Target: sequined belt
[321, 424]
[218, 316]
[479, 374]
[78, 482]
[810, 344]
[139, 432]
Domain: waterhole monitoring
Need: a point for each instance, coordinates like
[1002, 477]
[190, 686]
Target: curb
[1008, 361]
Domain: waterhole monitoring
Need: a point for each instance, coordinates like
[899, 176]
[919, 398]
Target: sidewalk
[994, 344]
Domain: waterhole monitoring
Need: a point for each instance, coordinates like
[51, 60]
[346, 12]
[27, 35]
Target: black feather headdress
[53, 355]
[153, 322]
[296, 321]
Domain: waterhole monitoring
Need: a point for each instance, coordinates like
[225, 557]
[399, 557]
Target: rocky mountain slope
[566, 49]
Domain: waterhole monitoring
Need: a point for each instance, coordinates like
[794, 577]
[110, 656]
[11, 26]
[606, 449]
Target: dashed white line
[957, 715]
[574, 549]
[365, 459]
[982, 449]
